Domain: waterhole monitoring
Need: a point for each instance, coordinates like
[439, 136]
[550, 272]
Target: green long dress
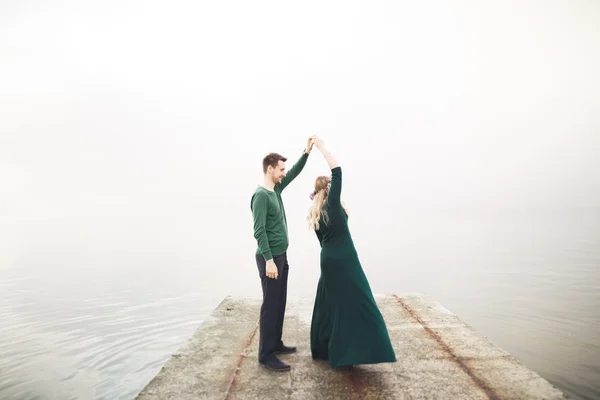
[347, 327]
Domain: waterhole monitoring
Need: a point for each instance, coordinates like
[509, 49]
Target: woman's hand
[319, 143]
[328, 157]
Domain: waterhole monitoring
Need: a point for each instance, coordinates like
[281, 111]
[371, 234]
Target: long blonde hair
[319, 195]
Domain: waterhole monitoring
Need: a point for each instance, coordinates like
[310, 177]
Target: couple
[347, 327]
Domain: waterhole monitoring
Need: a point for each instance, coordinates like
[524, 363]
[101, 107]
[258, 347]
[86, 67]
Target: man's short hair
[272, 159]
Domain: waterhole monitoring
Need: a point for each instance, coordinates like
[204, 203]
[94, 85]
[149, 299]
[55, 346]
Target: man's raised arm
[298, 166]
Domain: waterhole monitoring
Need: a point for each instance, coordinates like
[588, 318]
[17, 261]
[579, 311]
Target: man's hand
[272, 269]
[309, 144]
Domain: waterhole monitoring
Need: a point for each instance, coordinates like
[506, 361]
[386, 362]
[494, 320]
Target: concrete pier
[439, 357]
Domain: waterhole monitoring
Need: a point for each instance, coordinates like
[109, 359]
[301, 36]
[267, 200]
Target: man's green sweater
[270, 223]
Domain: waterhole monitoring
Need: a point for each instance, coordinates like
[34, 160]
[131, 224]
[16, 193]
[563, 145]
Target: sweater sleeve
[335, 191]
[294, 171]
[259, 214]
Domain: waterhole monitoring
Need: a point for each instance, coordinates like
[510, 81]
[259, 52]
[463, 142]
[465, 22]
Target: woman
[347, 327]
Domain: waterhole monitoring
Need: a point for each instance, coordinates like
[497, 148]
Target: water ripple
[98, 347]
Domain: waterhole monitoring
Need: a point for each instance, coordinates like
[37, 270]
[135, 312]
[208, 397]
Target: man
[270, 231]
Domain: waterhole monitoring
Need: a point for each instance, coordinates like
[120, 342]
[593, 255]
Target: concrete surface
[439, 357]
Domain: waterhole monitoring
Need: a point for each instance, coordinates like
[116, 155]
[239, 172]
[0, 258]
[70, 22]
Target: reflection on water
[530, 283]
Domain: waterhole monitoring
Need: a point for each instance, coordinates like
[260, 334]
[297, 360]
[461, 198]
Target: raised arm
[259, 214]
[294, 171]
[335, 191]
[328, 157]
[298, 166]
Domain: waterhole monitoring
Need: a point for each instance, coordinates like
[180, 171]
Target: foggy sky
[153, 111]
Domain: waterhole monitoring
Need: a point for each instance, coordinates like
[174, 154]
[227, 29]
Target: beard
[276, 180]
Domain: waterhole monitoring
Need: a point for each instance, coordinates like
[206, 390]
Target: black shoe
[285, 350]
[275, 364]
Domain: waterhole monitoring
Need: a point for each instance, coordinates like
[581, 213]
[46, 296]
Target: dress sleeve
[335, 192]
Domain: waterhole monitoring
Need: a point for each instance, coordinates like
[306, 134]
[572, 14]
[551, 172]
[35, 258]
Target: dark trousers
[272, 310]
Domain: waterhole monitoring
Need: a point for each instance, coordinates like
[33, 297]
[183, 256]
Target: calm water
[89, 315]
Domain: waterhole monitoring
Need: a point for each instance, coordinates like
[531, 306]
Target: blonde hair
[322, 184]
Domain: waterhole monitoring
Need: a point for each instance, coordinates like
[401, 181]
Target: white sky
[163, 110]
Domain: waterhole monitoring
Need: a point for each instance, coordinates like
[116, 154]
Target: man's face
[278, 173]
